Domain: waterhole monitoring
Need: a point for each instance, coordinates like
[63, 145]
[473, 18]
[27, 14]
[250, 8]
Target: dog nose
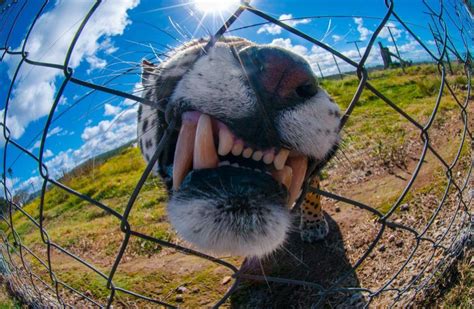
[281, 78]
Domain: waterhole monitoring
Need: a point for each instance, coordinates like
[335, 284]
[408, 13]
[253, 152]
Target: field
[377, 159]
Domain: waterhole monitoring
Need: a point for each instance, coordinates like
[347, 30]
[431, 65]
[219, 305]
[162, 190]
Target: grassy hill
[378, 153]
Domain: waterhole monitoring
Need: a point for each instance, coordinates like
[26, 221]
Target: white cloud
[137, 91]
[35, 86]
[411, 50]
[48, 154]
[363, 31]
[54, 131]
[396, 32]
[11, 182]
[108, 47]
[61, 163]
[111, 110]
[274, 29]
[318, 56]
[336, 38]
[95, 63]
[31, 185]
[286, 43]
[105, 136]
[58, 131]
[63, 101]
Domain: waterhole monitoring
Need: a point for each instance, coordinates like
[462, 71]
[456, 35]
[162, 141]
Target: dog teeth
[247, 152]
[226, 141]
[268, 157]
[284, 176]
[299, 165]
[183, 155]
[280, 158]
[257, 155]
[205, 155]
[237, 148]
[195, 148]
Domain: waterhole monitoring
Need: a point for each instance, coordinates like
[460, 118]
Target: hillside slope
[379, 153]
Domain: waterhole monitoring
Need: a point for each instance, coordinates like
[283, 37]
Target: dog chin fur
[256, 234]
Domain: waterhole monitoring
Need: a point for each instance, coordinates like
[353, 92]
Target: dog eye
[307, 91]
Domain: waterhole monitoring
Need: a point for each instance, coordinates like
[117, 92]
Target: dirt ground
[364, 260]
[400, 263]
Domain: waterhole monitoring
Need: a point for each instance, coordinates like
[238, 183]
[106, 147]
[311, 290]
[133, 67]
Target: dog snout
[282, 78]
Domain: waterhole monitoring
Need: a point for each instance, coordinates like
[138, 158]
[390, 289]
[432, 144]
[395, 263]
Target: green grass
[6, 301]
[95, 235]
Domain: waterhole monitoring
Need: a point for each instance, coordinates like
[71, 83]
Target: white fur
[172, 67]
[195, 222]
[306, 126]
[216, 86]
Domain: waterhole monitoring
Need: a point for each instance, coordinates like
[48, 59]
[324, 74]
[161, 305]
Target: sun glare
[215, 6]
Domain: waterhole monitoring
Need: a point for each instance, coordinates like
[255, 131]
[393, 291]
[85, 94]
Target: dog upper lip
[196, 149]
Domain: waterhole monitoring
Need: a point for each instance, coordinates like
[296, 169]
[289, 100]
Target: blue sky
[121, 33]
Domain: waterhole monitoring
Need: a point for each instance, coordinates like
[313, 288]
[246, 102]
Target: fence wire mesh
[38, 281]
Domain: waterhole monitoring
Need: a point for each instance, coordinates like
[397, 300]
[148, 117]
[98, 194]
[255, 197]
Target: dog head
[250, 119]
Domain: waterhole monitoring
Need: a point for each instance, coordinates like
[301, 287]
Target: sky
[120, 33]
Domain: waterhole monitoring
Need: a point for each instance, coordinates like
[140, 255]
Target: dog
[250, 121]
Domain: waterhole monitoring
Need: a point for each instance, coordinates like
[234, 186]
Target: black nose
[280, 78]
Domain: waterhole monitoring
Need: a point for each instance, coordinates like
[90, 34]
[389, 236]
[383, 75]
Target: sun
[215, 6]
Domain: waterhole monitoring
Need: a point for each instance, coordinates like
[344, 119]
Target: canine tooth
[247, 152]
[284, 176]
[226, 141]
[183, 155]
[257, 155]
[280, 158]
[224, 163]
[268, 157]
[299, 165]
[237, 148]
[205, 155]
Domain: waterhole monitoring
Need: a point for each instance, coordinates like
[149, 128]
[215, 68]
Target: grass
[459, 294]
[374, 129]
[6, 301]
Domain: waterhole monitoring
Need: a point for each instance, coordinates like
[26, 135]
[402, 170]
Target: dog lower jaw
[245, 218]
[240, 236]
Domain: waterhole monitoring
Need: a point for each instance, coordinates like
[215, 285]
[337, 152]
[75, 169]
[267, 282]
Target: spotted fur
[313, 225]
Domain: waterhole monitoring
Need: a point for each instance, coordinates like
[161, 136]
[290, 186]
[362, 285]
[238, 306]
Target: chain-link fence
[429, 249]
